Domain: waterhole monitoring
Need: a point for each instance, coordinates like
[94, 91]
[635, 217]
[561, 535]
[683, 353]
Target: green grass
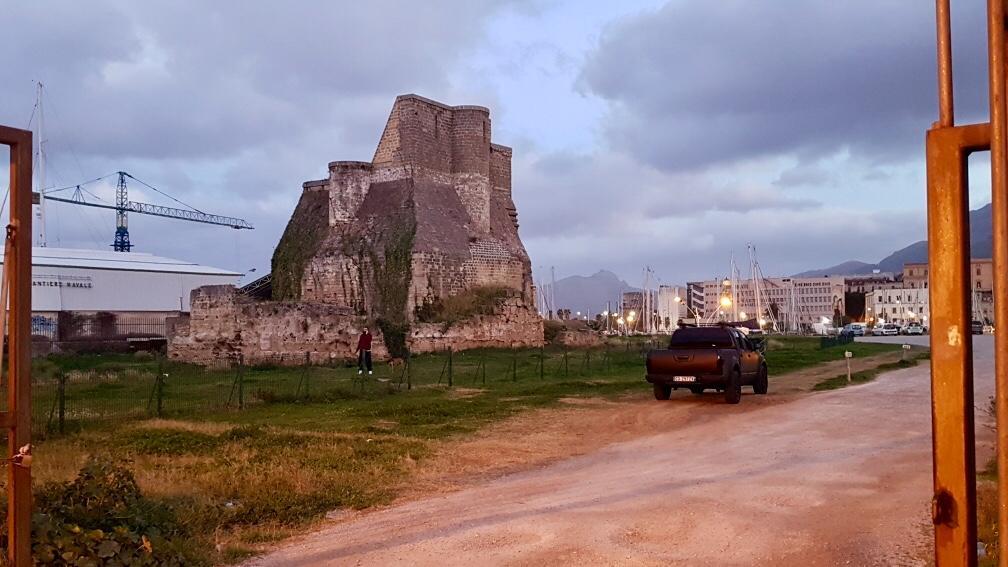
[866, 376]
[313, 440]
[796, 353]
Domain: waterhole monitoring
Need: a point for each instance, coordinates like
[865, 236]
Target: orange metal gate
[16, 283]
[948, 146]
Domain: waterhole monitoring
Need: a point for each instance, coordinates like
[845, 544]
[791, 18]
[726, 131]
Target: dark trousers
[364, 359]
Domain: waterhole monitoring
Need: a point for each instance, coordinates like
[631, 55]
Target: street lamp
[742, 314]
[725, 301]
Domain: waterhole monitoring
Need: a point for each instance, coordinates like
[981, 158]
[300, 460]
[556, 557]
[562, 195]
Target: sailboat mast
[757, 280]
[734, 288]
[41, 169]
[553, 307]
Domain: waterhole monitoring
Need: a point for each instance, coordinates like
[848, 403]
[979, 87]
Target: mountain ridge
[981, 246]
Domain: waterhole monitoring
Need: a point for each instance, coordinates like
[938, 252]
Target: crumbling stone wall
[224, 325]
[514, 325]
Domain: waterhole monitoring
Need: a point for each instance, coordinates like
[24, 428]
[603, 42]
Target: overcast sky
[644, 132]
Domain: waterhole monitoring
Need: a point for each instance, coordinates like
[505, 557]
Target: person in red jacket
[364, 352]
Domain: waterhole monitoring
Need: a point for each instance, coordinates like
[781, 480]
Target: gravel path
[832, 478]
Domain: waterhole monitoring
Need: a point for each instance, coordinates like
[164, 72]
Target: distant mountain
[584, 293]
[847, 268]
[981, 246]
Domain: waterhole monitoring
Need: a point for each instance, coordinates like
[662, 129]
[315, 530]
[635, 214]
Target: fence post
[542, 360]
[62, 402]
[307, 374]
[514, 365]
[159, 387]
[241, 381]
[450, 367]
[566, 366]
[409, 377]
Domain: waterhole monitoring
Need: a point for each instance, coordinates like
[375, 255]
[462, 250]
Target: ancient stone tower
[420, 242]
[430, 217]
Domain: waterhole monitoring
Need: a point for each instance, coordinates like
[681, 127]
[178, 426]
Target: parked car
[708, 358]
[913, 328]
[854, 330]
[889, 329]
[977, 327]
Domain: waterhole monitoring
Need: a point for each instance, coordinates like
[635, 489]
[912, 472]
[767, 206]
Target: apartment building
[900, 305]
[915, 275]
[796, 303]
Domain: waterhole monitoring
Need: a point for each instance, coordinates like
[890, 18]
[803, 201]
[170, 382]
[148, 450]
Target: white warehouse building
[123, 283]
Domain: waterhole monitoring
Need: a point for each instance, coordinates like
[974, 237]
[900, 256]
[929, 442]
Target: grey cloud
[702, 82]
[191, 79]
[803, 174]
[563, 193]
[701, 247]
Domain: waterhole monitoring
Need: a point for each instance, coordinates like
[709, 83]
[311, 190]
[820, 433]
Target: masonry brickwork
[430, 216]
[224, 324]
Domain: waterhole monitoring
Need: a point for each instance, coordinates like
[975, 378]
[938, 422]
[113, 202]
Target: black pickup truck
[700, 358]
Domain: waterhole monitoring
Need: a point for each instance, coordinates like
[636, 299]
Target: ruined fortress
[420, 242]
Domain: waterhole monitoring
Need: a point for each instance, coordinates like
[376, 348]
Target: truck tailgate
[683, 362]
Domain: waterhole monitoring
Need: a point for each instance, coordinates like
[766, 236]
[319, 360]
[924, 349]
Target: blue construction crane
[123, 205]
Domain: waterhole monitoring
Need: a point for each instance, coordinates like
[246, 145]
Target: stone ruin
[421, 244]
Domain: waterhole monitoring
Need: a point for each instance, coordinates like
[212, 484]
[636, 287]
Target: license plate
[684, 378]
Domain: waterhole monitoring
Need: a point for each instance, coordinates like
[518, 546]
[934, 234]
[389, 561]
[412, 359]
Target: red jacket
[364, 342]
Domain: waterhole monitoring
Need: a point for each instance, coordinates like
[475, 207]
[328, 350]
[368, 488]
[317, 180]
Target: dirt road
[832, 478]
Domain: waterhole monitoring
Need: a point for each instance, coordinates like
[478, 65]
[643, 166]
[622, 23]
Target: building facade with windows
[797, 304]
[900, 306]
[915, 275]
[872, 282]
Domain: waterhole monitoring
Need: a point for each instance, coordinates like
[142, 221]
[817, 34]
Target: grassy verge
[796, 353]
[866, 376]
[245, 479]
[987, 511]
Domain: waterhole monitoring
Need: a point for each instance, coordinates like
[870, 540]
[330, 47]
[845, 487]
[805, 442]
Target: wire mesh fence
[124, 387]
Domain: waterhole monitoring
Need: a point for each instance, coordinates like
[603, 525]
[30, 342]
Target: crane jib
[162, 211]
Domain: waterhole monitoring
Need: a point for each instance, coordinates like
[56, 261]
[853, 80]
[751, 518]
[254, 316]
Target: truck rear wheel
[696, 390]
[662, 391]
[762, 384]
[733, 389]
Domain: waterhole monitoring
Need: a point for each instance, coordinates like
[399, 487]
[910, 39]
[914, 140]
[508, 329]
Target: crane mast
[121, 243]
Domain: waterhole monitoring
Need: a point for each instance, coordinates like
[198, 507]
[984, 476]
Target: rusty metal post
[954, 504]
[946, 116]
[18, 415]
[997, 49]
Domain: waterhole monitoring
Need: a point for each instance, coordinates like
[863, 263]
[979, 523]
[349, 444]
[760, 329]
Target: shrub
[471, 302]
[101, 518]
[551, 330]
